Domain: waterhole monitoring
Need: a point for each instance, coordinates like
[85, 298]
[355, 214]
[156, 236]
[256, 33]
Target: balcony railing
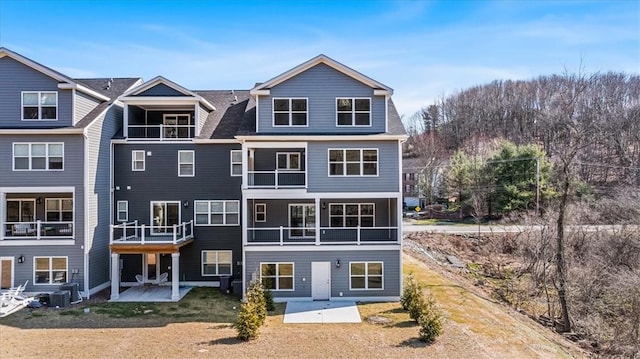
[134, 233]
[276, 179]
[37, 230]
[328, 235]
[161, 132]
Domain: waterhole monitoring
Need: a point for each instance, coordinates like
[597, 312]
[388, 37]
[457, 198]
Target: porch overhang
[138, 248]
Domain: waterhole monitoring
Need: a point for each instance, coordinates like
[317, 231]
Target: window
[277, 276]
[58, 209]
[38, 156]
[353, 162]
[39, 106]
[290, 112]
[123, 211]
[176, 126]
[302, 220]
[289, 161]
[365, 276]
[260, 212]
[216, 263]
[236, 163]
[351, 214]
[186, 164]
[50, 270]
[21, 210]
[163, 216]
[217, 213]
[137, 160]
[353, 112]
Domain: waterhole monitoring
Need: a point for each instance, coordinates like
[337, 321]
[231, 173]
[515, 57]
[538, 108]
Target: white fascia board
[52, 189]
[301, 193]
[150, 142]
[36, 66]
[309, 138]
[381, 92]
[260, 92]
[213, 140]
[31, 242]
[320, 248]
[162, 100]
[206, 103]
[88, 91]
[155, 81]
[42, 131]
[288, 144]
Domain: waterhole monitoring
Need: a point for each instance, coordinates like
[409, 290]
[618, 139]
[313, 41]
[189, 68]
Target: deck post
[115, 276]
[175, 276]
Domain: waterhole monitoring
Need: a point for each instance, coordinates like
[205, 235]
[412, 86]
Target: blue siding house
[54, 167]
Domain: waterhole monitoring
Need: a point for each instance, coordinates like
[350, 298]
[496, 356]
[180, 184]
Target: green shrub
[411, 290]
[253, 312]
[268, 298]
[430, 321]
[256, 295]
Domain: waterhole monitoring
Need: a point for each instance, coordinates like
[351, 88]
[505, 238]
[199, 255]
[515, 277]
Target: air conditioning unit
[73, 289]
[60, 299]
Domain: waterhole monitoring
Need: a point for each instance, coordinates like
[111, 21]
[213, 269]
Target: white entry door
[320, 280]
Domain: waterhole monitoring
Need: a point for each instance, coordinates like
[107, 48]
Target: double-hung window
[39, 106]
[217, 213]
[353, 112]
[59, 209]
[260, 212]
[38, 156]
[290, 112]
[353, 162]
[137, 160]
[216, 263]
[366, 276]
[289, 161]
[351, 214]
[123, 211]
[50, 270]
[277, 276]
[186, 164]
[236, 163]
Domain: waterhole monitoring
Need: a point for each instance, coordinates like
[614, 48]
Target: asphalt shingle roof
[223, 123]
[110, 87]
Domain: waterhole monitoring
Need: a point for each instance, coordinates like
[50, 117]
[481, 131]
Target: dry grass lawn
[475, 327]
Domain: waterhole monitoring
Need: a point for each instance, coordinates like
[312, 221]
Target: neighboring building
[54, 175]
[412, 169]
[296, 182]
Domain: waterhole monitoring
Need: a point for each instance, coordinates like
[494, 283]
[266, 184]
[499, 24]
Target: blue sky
[422, 49]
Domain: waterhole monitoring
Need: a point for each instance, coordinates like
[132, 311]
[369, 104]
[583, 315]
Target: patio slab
[322, 312]
[146, 293]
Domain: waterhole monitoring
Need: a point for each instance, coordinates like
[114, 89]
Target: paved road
[408, 227]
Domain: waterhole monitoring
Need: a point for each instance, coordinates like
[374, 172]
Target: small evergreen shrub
[412, 289]
[253, 312]
[256, 295]
[430, 321]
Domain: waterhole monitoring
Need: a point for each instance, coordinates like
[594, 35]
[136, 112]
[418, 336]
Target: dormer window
[290, 112]
[353, 111]
[40, 106]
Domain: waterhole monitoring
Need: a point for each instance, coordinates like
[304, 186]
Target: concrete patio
[150, 293]
[322, 312]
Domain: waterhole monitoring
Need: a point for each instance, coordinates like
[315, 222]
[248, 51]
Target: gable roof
[263, 88]
[162, 80]
[65, 82]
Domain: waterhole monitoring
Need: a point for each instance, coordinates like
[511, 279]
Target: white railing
[327, 235]
[134, 233]
[161, 132]
[37, 230]
[276, 179]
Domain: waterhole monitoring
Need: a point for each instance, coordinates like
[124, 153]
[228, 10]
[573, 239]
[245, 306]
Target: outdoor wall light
[324, 205]
[21, 259]
[185, 203]
[337, 263]
[39, 200]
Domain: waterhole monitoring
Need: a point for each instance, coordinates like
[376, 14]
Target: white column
[317, 204]
[175, 276]
[115, 276]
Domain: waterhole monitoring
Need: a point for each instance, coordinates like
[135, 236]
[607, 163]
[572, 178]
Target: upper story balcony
[276, 168]
[38, 216]
[176, 124]
[133, 237]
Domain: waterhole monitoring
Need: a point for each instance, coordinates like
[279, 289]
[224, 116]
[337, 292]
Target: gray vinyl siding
[339, 276]
[160, 182]
[98, 193]
[318, 168]
[160, 90]
[84, 105]
[25, 271]
[204, 113]
[15, 78]
[321, 84]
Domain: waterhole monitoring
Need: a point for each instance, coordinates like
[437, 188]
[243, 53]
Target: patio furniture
[22, 229]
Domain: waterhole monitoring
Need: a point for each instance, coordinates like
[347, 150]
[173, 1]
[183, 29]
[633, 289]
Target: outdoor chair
[22, 229]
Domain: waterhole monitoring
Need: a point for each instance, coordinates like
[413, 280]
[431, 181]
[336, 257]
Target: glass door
[163, 216]
[302, 220]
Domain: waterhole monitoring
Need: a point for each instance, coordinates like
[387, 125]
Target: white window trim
[288, 164]
[304, 229]
[256, 212]
[60, 199]
[46, 156]
[273, 111]
[217, 262]
[175, 126]
[153, 227]
[50, 269]
[235, 163]
[366, 276]
[193, 163]
[344, 162]
[344, 213]
[353, 111]
[224, 213]
[277, 276]
[125, 211]
[39, 106]
[133, 160]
